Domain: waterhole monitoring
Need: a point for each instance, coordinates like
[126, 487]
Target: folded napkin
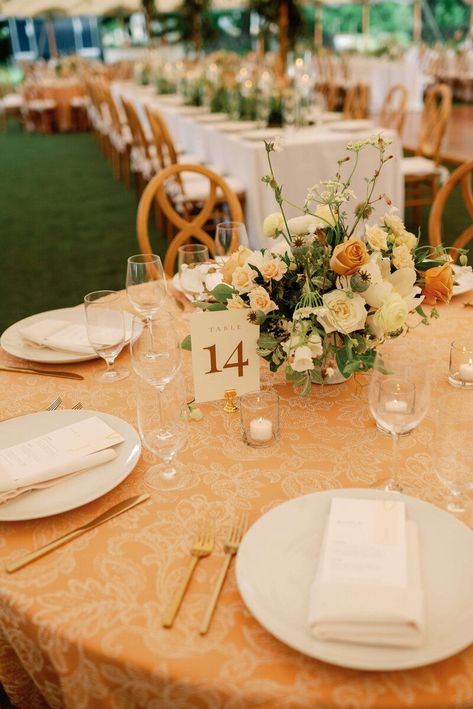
[364, 611]
[58, 335]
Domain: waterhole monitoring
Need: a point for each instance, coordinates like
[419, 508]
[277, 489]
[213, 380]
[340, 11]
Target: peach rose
[438, 284]
[238, 258]
[348, 257]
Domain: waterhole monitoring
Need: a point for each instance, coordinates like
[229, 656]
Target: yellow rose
[438, 284]
[237, 259]
[348, 257]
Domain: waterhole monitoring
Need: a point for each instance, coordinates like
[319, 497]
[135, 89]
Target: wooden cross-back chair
[356, 100]
[462, 177]
[190, 227]
[143, 162]
[422, 172]
[120, 138]
[393, 110]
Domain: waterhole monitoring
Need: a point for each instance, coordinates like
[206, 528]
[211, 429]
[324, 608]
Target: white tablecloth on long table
[381, 74]
[309, 156]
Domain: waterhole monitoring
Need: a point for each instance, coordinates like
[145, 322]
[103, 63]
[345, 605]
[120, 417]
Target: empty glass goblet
[190, 259]
[453, 453]
[399, 395]
[155, 335]
[228, 236]
[106, 331]
[163, 427]
[145, 283]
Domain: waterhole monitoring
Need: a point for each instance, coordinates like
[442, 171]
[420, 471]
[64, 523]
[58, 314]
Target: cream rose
[402, 257]
[348, 257]
[260, 300]
[325, 217]
[391, 316]
[342, 312]
[302, 359]
[270, 268]
[307, 224]
[273, 224]
[394, 223]
[238, 258]
[405, 238]
[243, 279]
[376, 238]
[236, 303]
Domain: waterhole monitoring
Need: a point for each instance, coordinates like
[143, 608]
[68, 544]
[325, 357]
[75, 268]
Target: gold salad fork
[203, 546]
[52, 407]
[77, 406]
[230, 548]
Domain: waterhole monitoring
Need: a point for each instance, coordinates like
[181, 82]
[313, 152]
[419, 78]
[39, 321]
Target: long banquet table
[309, 156]
[81, 627]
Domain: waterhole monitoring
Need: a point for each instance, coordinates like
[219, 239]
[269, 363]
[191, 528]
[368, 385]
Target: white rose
[243, 279]
[306, 224]
[376, 238]
[273, 224]
[391, 316]
[406, 238]
[394, 223]
[236, 303]
[402, 257]
[302, 359]
[325, 216]
[260, 300]
[341, 312]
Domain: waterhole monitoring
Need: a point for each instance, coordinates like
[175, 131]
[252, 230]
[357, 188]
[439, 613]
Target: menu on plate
[65, 450]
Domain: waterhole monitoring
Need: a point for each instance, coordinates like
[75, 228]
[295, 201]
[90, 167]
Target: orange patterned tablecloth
[81, 628]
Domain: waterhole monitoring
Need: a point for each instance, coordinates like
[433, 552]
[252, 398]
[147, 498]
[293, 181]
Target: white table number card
[223, 354]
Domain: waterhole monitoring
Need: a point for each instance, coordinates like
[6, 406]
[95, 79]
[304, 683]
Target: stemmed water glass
[228, 236]
[156, 334]
[106, 331]
[399, 395]
[145, 283]
[163, 427]
[190, 259]
[453, 457]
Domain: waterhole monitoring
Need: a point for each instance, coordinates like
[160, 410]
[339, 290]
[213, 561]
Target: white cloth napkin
[58, 335]
[371, 614]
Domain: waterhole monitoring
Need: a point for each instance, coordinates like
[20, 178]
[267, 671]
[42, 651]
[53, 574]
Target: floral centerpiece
[329, 292]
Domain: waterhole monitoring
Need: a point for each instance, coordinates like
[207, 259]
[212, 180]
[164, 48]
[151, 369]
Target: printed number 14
[239, 363]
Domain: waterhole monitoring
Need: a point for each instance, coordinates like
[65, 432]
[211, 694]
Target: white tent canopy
[31, 8]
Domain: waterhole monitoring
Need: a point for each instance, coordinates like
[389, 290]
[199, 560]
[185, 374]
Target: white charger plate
[277, 562]
[349, 126]
[464, 280]
[12, 342]
[79, 489]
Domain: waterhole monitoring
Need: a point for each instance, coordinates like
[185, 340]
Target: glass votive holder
[461, 364]
[259, 417]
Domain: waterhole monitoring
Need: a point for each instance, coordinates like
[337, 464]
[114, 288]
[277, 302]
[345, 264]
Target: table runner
[82, 626]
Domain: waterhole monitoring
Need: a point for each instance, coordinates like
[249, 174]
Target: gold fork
[203, 546]
[77, 406]
[230, 548]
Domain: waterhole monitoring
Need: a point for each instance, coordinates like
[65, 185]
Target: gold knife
[44, 372]
[114, 511]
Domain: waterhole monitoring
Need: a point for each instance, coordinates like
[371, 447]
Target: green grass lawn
[67, 227]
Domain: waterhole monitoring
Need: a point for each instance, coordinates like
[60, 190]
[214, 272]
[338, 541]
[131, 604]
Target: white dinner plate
[350, 126]
[13, 343]
[212, 117]
[262, 133]
[79, 489]
[237, 126]
[277, 562]
[464, 279]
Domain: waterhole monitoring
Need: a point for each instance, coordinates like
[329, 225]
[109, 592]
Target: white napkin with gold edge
[370, 614]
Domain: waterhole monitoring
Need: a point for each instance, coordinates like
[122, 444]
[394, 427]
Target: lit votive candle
[396, 407]
[261, 429]
[466, 371]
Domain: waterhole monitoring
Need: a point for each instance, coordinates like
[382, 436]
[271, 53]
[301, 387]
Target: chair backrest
[356, 100]
[463, 177]
[163, 141]
[112, 107]
[193, 227]
[434, 121]
[393, 110]
[136, 128]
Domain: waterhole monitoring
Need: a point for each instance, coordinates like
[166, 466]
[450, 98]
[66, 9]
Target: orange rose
[438, 284]
[348, 257]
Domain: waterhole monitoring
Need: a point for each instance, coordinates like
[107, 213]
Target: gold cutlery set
[203, 546]
[43, 372]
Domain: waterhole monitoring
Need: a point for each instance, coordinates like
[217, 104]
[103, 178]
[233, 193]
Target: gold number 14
[239, 363]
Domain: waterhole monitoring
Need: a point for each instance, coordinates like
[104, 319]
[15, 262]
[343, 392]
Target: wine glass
[156, 334]
[106, 331]
[145, 283]
[399, 395]
[228, 236]
[453, 458]
[190, 259]
[163, 427]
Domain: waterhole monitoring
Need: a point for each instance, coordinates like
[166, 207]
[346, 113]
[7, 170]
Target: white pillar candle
[466, 371]
[261, 429]
[396, 407]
